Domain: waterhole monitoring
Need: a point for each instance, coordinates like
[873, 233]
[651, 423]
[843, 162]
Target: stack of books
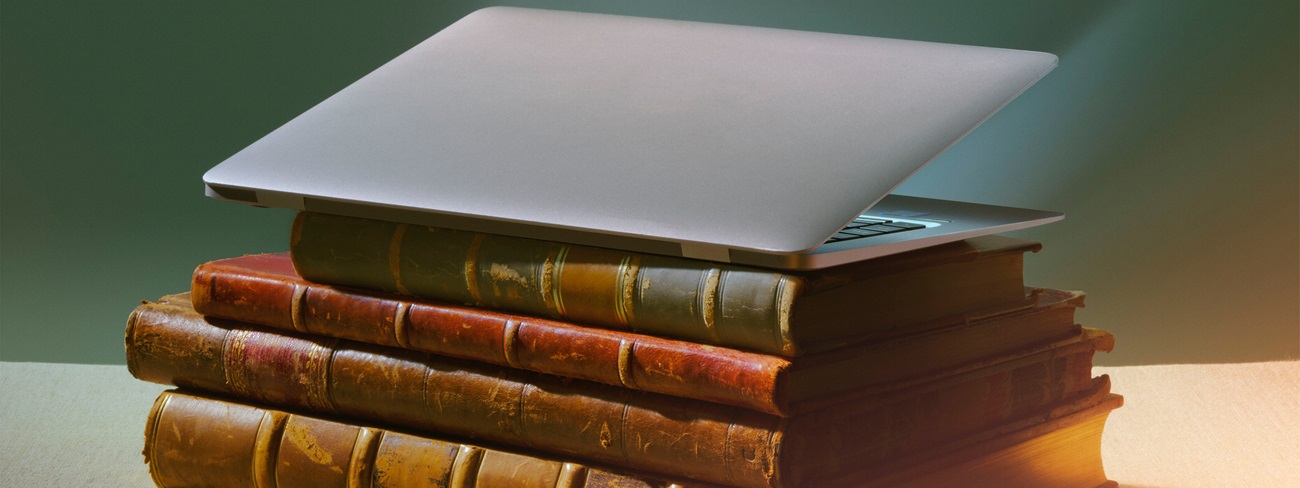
[384, 354]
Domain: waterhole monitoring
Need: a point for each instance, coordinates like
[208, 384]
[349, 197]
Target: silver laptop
[749, 145]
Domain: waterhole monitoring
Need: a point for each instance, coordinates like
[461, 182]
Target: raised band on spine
[464, 469]
[511, 343]
[400, 317]
[362, 462]
[625, 363]
[572, 476]
[295, 308]
[266, 448]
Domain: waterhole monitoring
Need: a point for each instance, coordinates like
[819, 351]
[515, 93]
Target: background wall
[1168, 135]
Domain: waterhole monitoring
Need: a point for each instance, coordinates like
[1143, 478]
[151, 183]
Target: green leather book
[781, 313]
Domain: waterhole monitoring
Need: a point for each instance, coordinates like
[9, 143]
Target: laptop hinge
[280, 200]
[707, 252]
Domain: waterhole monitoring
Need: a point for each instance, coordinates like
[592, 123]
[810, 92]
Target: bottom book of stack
[194, 439]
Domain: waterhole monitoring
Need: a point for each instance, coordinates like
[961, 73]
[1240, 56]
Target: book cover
[199, 440]
[698, 301]
[169, 343]
[264, 289]
[1061, 448]
[196, 439]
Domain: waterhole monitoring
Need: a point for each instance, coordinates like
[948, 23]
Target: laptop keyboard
[869, 226]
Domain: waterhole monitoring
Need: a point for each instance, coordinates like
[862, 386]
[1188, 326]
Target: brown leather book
[1060, 449]
[265, 290]
[698, 301]
[169, 343]
[198, 440]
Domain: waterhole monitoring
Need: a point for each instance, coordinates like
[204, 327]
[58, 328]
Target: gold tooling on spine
[708, 296]
[547, 283]
[625, 286]
[557, 282]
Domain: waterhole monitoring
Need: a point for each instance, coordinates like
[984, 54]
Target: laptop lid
[675, 137]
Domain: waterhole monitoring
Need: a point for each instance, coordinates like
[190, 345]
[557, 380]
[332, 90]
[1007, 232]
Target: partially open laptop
[749, 145]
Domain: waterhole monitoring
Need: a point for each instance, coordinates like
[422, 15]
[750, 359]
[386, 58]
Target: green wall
[1168, 135]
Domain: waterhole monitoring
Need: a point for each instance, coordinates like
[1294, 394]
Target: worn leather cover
[169, 343]
[265, 290]
[198, 440]
[1061, 448]
[767, 311]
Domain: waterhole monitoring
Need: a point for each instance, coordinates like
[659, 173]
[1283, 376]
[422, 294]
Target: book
[195, 439]
[169, 343]
[199, 440]
[265, 290]
[767, 311]
[1062, 449]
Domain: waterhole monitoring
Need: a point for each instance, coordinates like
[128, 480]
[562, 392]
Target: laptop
[756, 146]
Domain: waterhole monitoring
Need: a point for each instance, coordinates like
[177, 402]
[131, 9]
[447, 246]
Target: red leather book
[265, 290]
[170, 343]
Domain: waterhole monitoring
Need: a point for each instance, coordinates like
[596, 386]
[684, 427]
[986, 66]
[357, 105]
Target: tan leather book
[198, 440]
[170, 343]
[264, 289]
[773, 312]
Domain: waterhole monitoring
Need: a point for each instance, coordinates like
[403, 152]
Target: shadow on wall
[1168, 136]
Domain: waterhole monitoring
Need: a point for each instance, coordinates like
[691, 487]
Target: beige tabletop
[1210, 425]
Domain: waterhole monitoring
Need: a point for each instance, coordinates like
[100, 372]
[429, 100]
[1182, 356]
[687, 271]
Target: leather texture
[170, 343]
[779, 313]
[198, 440]
[265, 290]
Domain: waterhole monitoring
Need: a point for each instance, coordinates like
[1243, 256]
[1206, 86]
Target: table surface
[1212, 425]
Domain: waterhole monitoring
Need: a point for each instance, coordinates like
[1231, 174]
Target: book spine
[1062, 448]
[685, 299]
[912, 420]
[193, 440]
[171, 344]
[676, 368]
